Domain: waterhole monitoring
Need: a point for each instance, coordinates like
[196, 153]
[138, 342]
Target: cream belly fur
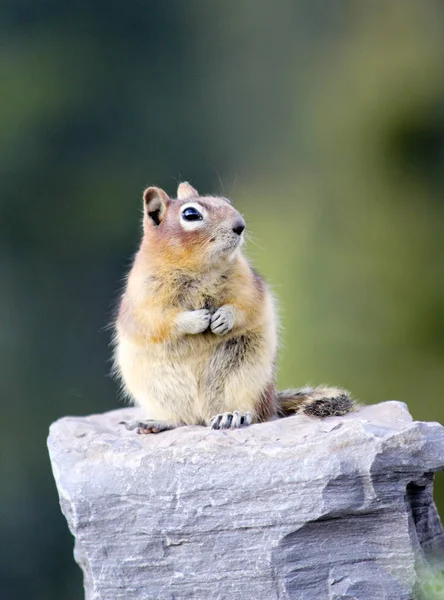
[194, 378]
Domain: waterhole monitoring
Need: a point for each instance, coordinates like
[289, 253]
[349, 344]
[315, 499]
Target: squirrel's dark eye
[191, 214]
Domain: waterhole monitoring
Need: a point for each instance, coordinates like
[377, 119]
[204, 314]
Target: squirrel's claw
[222, 321]
[232, 420]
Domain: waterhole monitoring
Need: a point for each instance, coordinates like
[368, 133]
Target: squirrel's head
[191, 229]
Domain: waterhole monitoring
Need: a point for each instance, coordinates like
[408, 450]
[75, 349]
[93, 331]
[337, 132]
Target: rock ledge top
[295, 508]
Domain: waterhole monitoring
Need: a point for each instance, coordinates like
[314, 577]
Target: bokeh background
[323, 121]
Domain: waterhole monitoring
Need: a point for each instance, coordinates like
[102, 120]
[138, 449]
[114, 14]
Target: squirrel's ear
[155, 203]
[185, 190]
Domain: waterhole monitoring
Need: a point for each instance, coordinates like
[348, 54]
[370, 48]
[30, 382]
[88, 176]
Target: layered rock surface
[298, 508]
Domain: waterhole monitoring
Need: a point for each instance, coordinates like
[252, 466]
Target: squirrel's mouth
[224, 243]
[231, 243]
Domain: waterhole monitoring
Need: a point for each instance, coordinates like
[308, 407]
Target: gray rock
[296, 508]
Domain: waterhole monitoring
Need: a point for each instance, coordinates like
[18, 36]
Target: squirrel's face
[191, 229]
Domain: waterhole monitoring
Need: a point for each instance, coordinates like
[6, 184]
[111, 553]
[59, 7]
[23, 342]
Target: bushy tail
[321, 401]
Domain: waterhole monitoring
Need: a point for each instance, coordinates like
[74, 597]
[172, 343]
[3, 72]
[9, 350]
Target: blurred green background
[323, 121]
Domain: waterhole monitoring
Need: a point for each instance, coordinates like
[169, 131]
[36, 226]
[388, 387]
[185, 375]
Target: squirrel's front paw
[222, 321]
[194, 321]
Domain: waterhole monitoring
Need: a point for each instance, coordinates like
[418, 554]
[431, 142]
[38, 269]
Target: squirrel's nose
[239, 226]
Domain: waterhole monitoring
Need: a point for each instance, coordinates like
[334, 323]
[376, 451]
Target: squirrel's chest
[194, 294]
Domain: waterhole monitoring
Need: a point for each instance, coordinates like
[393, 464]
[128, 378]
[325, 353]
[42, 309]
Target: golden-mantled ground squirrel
[196, 333]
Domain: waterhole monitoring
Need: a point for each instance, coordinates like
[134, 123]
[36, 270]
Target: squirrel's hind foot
[232, 420]
[148, 426]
